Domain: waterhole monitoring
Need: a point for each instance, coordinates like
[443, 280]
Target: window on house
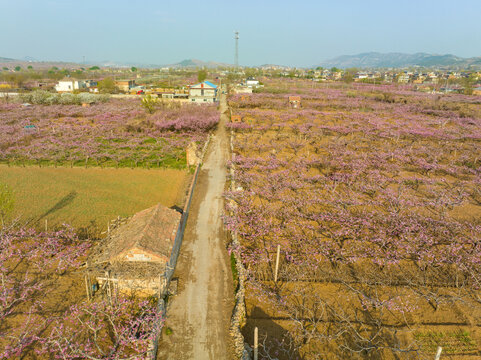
[202, 92]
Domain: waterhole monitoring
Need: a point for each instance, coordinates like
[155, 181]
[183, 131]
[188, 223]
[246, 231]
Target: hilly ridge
[396, 60]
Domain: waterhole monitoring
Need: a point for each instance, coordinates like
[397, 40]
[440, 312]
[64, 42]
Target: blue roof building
[204, 92]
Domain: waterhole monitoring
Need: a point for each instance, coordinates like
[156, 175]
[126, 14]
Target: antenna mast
[236, 59]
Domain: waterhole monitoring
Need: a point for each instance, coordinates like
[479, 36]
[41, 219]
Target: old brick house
[135, 254]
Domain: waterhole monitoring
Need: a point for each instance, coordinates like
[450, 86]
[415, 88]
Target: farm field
[373, 194]
[118, 133]
[45, 313]
[88, 198]
[78, 168]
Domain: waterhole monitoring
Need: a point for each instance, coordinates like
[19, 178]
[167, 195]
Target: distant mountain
[274, 66]
[37, 64]
[5, 60]
[398, 60]
[190, 63]
[30, 59]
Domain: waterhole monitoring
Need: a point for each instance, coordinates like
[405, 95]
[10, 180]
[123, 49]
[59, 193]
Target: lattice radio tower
[236, 59]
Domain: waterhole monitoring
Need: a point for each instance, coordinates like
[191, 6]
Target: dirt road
[199, 314]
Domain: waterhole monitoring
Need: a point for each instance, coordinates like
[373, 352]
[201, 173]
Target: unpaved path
[199, 315]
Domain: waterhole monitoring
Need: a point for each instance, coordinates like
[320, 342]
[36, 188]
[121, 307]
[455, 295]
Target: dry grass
[88, 198]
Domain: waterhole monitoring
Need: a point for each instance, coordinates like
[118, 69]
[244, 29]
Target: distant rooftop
[205, 82]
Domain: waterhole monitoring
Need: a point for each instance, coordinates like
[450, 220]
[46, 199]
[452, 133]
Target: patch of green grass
[452, 342]
[233, 267]
[150, 141]
[87, 198]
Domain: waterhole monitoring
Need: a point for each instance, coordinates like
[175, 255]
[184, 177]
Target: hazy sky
[296, 33]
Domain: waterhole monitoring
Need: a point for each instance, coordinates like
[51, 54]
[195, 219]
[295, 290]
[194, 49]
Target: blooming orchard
[373, 194]
[32, 266]
[116, 133]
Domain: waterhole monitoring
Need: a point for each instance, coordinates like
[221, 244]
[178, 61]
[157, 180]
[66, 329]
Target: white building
[252, 83]
[70, 85]
[205, 92]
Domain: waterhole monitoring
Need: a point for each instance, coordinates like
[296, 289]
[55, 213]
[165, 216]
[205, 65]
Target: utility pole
[236, 59]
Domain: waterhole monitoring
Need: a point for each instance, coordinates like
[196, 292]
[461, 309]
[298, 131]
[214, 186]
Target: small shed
[236, 118]
[136, 253]
[295, 101]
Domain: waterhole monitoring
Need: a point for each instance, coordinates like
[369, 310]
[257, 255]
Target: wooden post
[438, 353]
[109, 289]
[160, 286]
[277, 262]
[87, 287]
[256, 344]
[108, 228]
[46, 225]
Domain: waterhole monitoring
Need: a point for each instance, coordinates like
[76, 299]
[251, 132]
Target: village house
[125, 85]
[170, 93]
[205, 92]
[69, 85]
[337, 75]
[403, 78]
[136, 254]
[360, 75]
[251, 82]
[241, 89]
[91, 83]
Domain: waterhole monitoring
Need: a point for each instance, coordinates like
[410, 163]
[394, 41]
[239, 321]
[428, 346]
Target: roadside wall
[238, 318]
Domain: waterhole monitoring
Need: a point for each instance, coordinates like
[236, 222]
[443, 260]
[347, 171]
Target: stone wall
[238, 318]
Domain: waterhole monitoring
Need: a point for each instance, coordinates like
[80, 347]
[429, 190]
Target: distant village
[170, 83]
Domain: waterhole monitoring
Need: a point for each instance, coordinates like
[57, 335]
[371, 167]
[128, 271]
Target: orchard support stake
[87, 287]
[277, 262]
[161, 286]
[109, 289]
[438, 353]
